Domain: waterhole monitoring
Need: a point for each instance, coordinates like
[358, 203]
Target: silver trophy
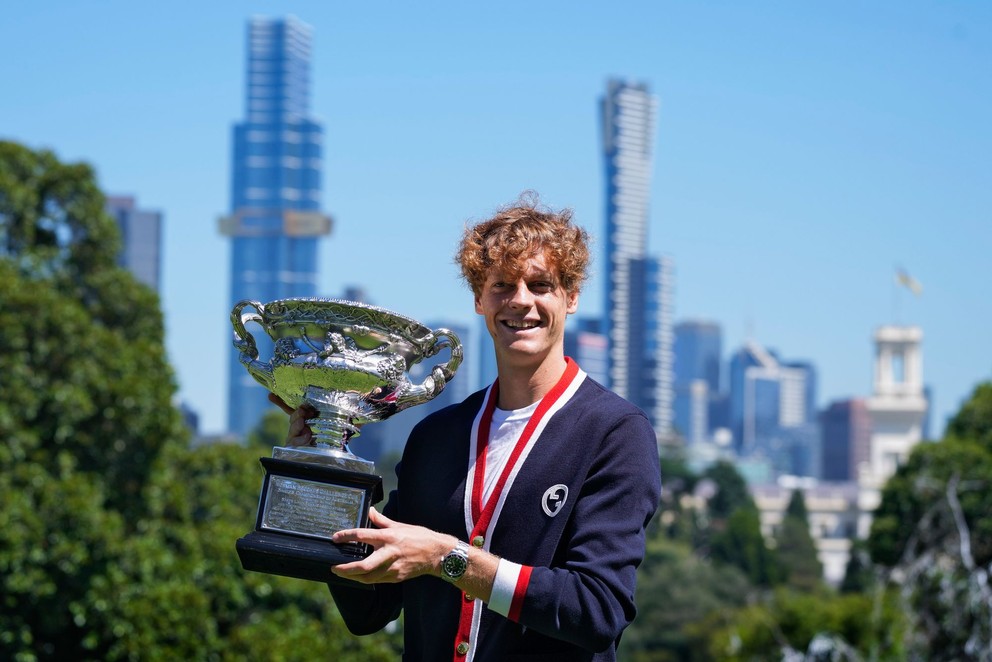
[348, 361]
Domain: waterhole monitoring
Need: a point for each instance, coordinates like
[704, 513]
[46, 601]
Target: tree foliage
[82, 360]
[731, 490]
[794, 547]
[117, 540]
[677, 589]
[974, 419]
[741, 544]
[809, 626]
[933, 532]
[52, 218]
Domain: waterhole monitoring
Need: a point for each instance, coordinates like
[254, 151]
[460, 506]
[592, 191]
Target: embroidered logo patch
[554, 499]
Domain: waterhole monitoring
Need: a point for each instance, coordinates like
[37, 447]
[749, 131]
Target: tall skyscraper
[638, 286]
[275, 217]
[141, 238]
[628, 112]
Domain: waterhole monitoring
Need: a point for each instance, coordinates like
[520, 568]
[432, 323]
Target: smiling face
[525, 312]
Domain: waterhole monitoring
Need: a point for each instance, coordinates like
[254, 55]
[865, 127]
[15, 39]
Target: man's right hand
[299, 433]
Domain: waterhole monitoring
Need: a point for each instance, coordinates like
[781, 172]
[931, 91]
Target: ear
[573, 302]
[478, 305]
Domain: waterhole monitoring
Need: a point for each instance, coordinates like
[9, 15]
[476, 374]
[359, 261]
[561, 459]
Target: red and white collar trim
[481, 517]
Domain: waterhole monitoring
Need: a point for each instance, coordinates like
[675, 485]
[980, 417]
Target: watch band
[455, 562]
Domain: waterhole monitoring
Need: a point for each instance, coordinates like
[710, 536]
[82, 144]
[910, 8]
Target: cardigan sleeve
[587, 596]
[369, 609]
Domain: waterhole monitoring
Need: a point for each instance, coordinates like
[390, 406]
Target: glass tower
[639, 286]
[275, 218]
[628, 112]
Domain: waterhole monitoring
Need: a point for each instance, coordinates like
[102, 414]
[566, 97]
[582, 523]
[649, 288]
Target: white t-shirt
[507, 426]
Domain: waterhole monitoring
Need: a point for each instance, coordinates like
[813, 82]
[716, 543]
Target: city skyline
[803, 155]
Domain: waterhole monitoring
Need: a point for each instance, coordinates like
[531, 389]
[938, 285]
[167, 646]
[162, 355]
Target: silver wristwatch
[454, 563]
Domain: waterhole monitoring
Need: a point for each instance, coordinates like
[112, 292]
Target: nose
[521, 297]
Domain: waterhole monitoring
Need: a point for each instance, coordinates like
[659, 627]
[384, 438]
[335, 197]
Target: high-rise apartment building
[638, 286]
[275, 218]
[141, 239]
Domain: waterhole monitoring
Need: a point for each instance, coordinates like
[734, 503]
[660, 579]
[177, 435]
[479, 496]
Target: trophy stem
[332, 432]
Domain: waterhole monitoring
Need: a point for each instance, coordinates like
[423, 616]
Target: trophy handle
[244, 342]
[440, 374]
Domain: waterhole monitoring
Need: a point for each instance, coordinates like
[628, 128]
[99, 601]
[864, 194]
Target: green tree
[52, 218]
[117, 541]
[933, 532]
[812, 626]
[859, 576]
[974, 420]
[81, 358]
[731, 490]
[741, 544]
[795, 549]
[675, 590]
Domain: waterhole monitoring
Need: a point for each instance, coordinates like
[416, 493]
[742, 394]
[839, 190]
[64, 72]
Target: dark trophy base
[300, 507]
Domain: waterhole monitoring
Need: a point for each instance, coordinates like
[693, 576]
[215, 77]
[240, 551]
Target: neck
[519, 388]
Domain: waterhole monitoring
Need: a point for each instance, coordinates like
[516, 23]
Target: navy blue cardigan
[582, 561]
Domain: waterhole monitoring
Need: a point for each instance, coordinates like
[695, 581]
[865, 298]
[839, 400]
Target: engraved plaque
[311, 508]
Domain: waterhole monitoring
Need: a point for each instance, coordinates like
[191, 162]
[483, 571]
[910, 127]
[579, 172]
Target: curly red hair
[516, 233]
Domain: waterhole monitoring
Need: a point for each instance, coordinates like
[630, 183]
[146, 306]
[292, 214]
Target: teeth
[520, 324]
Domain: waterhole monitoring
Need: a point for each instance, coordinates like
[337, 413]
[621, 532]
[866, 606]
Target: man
[518, 520]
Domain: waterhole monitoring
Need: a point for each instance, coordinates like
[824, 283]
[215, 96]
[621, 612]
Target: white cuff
[505, 584]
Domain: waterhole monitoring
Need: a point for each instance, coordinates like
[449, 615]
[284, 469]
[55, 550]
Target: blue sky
[803, 151]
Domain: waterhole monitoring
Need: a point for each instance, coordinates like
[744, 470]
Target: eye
[542, 286]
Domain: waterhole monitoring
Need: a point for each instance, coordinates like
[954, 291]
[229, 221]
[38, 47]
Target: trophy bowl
[349, 362]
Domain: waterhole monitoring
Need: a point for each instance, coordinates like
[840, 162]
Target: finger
[303, 439]
[279, 402]
[299, 433]
[355, 574]
[372, 537]
[379, 520]
[364, 566]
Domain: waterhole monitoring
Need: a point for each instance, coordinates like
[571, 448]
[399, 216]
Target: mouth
[521, 325]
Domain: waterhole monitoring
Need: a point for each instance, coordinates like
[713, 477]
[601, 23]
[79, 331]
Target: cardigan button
[478, 541]
[462, 648]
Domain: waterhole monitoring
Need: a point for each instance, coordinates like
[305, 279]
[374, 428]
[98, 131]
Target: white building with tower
[897, 409]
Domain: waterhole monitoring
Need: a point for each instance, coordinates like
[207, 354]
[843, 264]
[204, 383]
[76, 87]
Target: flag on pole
[903, 278]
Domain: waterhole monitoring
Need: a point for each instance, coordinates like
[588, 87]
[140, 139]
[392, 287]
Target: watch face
[454, 565]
